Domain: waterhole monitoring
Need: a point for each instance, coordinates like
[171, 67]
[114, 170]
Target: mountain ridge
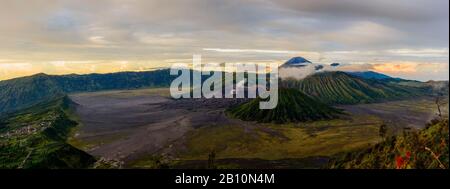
[20, 93]
[341, 88]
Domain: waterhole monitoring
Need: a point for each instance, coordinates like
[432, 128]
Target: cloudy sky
[406, 38]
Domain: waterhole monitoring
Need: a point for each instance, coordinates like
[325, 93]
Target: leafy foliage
[35, 138]
[426, 149]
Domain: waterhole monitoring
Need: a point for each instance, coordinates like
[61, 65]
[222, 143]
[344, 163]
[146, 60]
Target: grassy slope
[25, 92]
[370, 75]
[272, 142]
[404, 151]
[35, 138]
[293, 106]
[342, 88]
[267, 145]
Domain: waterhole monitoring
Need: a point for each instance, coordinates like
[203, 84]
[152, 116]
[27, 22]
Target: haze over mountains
[328, 87]
[37, 110]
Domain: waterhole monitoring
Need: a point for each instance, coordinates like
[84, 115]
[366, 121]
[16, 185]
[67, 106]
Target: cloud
[165, 39]
[347, 31]
[436, 53]
[250, 51]
[364, 33]
[403, 10]
[296, 73]
[415, 71]
[395, 68]
[98, 40]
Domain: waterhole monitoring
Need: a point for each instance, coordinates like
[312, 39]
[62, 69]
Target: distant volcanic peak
[335, 64]
[296, 62]
[318, 67]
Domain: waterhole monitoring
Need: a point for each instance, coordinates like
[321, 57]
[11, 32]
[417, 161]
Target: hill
[426, 149]
[296, 62]
[20, 93]
[35, 138]
[121, 80]
[439, 87]
[343, 88]
[27, 91]
[293, 106]
[370, 75]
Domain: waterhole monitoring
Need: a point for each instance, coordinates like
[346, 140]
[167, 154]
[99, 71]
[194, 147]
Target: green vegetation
[35, 138]
[426, 149]
[275, 142]
[113, 81]
[151, 162]
[24, 92]
[370, 75]
[20, 93]
[128, 93]
[293, 106]
[343, 88]
[292, 145]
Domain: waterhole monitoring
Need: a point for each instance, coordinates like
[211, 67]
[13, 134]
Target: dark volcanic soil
[126, 127]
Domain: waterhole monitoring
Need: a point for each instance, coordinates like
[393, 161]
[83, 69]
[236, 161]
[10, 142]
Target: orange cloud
[20, 69]
[396, 68]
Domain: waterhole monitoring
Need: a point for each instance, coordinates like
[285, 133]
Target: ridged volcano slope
[343, 88]
[293, 106]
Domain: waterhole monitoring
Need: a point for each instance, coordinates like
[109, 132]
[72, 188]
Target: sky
[402, 38]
